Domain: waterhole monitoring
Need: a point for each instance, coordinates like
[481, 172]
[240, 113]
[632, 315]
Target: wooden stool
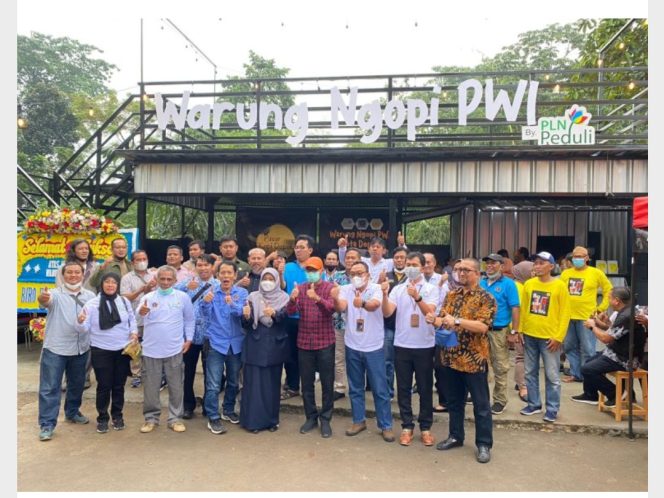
[621, 408]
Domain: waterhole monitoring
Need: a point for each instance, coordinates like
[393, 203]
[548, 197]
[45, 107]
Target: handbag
[133, 350]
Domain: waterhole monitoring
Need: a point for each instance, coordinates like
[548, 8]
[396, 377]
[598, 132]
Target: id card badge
[414, 320]
[359, 325]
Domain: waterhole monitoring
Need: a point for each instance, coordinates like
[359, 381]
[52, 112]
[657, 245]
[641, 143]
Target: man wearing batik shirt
[468, 312]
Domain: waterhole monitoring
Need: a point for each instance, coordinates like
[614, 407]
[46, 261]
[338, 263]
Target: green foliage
[432, 231]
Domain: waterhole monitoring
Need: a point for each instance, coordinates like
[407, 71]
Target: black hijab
[109, 316]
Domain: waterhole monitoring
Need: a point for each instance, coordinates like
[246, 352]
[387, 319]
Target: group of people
[356, 327]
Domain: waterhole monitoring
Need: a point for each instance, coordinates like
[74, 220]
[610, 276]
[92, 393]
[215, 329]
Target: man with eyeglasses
[468, 312]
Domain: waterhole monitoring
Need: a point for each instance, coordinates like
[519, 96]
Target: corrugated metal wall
[512, 229]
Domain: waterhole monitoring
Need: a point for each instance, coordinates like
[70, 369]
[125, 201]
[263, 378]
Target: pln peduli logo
[570, 129]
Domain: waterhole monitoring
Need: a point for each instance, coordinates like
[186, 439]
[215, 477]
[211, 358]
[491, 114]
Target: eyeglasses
[466, 270]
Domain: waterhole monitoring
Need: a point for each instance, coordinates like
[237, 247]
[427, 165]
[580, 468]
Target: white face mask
[268, 285]
[73, 287]
[412, 272]
[141, 265]
[358, 282]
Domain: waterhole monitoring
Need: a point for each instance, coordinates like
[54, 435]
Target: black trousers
[321, 360]
[594, 378]
[438, 374]
[456, 384]
[190, 363]
[292, 366]
[407, 362]
[111, 370]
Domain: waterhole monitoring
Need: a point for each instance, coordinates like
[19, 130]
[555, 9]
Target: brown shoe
[406, 437]
[388, 435]
[355, 429]
[427, 438]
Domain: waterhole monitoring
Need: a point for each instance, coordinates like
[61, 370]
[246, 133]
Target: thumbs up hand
[311, 293]
[193, 284]
[246, 310]
[144, 309]
[44, 297]
[82, 316]
[209, 296]
[295, 294]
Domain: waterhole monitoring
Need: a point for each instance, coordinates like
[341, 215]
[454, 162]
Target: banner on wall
[357, 226]
[41, 254]
[273, 229]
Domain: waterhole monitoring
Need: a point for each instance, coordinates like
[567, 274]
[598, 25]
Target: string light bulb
[600, 62]
[631, 85]
[621, 45]
[556, 89]
[22, 123]
[91, 112]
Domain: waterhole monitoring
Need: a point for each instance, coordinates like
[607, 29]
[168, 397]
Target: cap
[546, 256]
[313, 262]
[493, 257]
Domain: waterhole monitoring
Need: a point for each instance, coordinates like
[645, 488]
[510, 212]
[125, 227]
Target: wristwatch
[457, 321]
[513, 332]
[418, 299]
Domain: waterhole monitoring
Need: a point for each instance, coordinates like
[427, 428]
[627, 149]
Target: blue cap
[546, 256]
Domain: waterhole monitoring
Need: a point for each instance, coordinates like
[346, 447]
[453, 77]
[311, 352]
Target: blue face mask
[313, 277]
[165, 292]
[578, 262]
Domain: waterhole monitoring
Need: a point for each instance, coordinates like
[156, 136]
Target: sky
[341, 38]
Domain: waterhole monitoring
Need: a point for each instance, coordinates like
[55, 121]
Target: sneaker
[427, 438]
[610, 403]
[163, 385]
[388, 435]
[584, 398]
[79, 418]
[406, 437]
[309, 425]
[177, 427]
[148, 427]
[216, 427]
[46, 433]
[497, 408]
[136, 382]
[231, 417]
[118, 424]
[550, 416]
[530, 410]
[469, 399]
[102, 427]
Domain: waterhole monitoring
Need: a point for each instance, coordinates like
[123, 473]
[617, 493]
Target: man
[342, 278]
[293, 275]
[413, 346]
[134, 285]
[168, 329]
[174, 259]
[377, 249]
[507, 263]
[315, 343]
[226, 336]
[500, 335]
[198, 289]
[616, 354]
[468, 311]
[228, 250]
[544, 318]
[429, 269]
[257, 263]
[117, 263]
[521, 254]
[583, 283]
[395, 277]
[64, 350]
[196, 250]
[365, 355]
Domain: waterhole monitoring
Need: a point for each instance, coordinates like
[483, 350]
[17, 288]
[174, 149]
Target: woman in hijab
[110, 320]
[265, 350]
[522, 272]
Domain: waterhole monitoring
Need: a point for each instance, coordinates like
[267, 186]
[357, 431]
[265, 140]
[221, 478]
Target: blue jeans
[51, 369]
[580, 345]
[357, 363]
[533, 349]
[214, 368]
[388, 347]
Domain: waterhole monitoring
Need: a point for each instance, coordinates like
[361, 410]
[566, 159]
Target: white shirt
[373, 334]
[386, 265]
[434, 278]
[112, 339]
[406, 336]
[168, 325]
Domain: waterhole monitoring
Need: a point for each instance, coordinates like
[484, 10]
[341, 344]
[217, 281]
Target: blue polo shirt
[294, 275]
[225, 328]
[505, 293]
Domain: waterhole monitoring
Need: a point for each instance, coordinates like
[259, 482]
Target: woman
[79, 250]
[111, 323]
[522, 272]
[265, 350]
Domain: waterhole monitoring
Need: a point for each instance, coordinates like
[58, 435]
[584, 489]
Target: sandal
[440, 409]
[288, 394]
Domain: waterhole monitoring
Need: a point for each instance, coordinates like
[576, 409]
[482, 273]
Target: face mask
[72, 287]
[330, 267]
[165, 292]
[492, 275]
[141, 265]
[578, 262]
[412, 272]
[399, 272]
[358, 282]
[268, 285]
[313, 277]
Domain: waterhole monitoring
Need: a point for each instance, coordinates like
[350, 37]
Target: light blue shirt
[113, 339]
[169, 323]
[294, 275]
[202, 319]
[505, 293]
[225, 326]
[61, 336]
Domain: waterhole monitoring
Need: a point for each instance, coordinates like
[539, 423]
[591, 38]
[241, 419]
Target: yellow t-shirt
[582, 286]
[545, 311]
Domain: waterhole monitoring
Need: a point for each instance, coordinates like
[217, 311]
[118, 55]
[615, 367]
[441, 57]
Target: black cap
[493, 257]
